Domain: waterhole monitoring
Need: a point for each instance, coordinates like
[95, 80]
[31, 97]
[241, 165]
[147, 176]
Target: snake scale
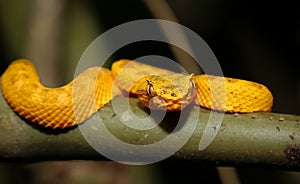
[155, 87]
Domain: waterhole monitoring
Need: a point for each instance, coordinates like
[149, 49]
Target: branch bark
[260, 139]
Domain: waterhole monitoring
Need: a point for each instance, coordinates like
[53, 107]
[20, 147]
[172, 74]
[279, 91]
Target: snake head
[165, 92]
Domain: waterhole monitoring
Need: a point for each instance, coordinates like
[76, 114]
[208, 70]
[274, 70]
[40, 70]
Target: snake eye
[150, 90]
[192, 85]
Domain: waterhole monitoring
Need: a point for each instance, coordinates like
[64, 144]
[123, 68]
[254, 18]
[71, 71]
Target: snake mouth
[170, 105]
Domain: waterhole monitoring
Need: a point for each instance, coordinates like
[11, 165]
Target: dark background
[252, 40]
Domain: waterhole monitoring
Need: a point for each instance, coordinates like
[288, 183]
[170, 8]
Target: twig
[43, 44]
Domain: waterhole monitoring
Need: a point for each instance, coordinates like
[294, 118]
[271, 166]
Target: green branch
[261, 139]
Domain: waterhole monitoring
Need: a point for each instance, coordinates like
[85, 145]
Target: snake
[155, 87]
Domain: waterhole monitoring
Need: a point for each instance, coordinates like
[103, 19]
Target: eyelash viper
[155, 87]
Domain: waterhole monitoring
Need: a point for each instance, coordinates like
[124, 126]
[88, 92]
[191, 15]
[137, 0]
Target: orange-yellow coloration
[126, 73]
[55, 107]
[170, 92]
[73, 103]
[232, 95]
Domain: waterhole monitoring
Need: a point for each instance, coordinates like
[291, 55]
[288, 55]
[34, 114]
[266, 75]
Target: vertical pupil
[192, 84]
[150, 90]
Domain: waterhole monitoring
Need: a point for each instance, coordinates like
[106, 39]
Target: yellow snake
[155, 87]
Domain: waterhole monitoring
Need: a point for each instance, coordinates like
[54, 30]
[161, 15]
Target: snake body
[155, 87]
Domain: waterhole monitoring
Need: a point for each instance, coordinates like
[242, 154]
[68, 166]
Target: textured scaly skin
[232, 95]
[55, 107]
[73, 103]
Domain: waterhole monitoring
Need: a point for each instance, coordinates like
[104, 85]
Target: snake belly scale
[155, 87]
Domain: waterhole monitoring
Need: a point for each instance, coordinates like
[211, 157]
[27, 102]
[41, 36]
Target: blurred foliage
[253, 40]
